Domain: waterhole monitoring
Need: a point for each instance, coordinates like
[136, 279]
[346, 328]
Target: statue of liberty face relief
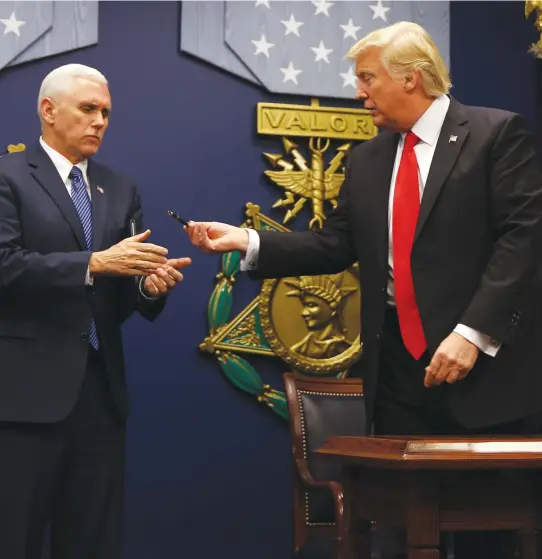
[322, 299]
[316, 313]
[313, 322]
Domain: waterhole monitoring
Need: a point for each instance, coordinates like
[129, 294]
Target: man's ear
[411, 81]
[48, 110]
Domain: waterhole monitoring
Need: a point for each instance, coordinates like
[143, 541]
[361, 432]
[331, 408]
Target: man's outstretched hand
[215, 237]
[130, 257]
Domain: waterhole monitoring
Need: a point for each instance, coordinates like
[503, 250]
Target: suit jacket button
[84, 336]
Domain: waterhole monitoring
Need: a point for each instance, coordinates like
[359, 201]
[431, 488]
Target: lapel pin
[452, 138]
[100, 189]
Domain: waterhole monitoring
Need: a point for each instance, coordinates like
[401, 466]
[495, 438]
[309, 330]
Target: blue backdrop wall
[208, 471]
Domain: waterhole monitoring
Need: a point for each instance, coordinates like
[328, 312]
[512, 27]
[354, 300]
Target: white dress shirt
[427, 129]
[64, 167]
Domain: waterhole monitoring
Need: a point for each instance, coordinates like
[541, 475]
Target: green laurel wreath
[236, 369]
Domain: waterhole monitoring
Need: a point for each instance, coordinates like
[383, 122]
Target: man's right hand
[212, 236]
[130, 257]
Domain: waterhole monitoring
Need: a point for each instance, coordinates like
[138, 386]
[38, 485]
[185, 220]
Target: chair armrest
[335, 487]
[308, 480]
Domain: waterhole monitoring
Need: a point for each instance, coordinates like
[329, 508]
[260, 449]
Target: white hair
[60, 80]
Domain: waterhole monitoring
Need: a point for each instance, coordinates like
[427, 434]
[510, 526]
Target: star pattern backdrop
[299, 47]
[31, 30]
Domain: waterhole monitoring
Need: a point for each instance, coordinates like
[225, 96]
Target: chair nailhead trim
[304, 438]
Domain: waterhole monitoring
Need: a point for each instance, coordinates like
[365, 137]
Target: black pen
[178, 218]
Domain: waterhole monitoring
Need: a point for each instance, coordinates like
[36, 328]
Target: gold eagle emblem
[314, 182]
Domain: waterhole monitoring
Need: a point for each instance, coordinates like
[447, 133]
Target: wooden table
[433, 485]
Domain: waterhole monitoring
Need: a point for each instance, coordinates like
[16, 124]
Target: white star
[321, 52]
[262, 3]
[350, 29]
[292, 26]
[290, 73]
[349, 78]
[12, 25]
[379, 11]
[322, 7]
[262, 46]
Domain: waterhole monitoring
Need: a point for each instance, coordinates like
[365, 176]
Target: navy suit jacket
[45, 306]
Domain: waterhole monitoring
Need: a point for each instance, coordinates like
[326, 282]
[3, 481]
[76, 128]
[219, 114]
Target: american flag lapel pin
[452, 139]
[100, 189]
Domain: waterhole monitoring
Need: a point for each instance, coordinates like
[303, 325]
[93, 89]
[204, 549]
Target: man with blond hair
[68, 261]
[443, 213]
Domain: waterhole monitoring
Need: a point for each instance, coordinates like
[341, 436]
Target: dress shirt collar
[428, 126]
[62, 164]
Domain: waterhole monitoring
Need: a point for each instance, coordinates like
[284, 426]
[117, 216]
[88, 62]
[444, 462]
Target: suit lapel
[47, 176]
[452, 136]
[380, 179]
[99, 193]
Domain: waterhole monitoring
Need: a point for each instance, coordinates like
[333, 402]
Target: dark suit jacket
[45, 307]
[476, 258]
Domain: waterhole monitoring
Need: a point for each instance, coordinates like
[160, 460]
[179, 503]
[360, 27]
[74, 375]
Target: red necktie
[406, 207]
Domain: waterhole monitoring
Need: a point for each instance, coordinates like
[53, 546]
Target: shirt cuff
[142, 291]
[89, 280]
[485, 343]
[250, 260]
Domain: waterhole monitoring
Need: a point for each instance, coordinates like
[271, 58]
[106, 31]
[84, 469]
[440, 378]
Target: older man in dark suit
[443, 212]
[68, 264]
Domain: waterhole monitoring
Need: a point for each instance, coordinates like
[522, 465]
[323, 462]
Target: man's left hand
[165, 279]
[453, 361]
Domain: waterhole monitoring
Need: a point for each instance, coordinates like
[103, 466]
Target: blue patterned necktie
[83, 206]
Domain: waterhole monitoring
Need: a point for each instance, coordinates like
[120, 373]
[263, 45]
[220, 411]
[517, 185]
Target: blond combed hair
[406, 48]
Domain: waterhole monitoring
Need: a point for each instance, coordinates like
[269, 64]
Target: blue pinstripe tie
[83, 206]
